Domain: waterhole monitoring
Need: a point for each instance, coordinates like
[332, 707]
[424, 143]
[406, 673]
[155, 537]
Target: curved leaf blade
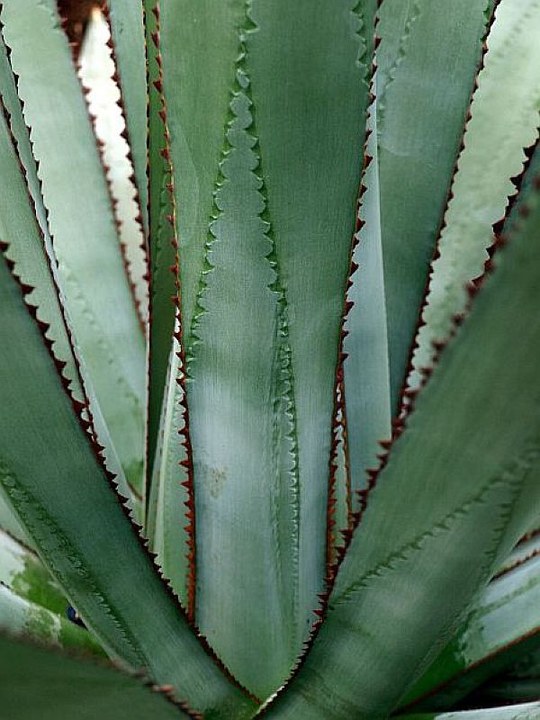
[36, 682]
[76, 520]
[103, 316]
[438, 522]
[422, 109]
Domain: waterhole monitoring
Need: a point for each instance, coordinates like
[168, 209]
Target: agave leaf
[245, 608]
[83, 534]
[9, 522]
[526, 711]
[23, 617]
[308, 158]
[128, 36]
[425, 79]
[367, 366]
[103, 315]
[198, 43]
[437, 524]
[98, 75]
[30, 249]
[163, 261]
[504, 625]
[492, 154]
[170, 528]
[528, 548]
[38, 682]
[311, 156]
[22, 572]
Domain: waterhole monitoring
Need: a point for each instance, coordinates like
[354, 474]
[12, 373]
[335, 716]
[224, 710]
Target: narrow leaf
[98, 75]
[424, 87]
[492, 154]
[103, 315]
[126, 19]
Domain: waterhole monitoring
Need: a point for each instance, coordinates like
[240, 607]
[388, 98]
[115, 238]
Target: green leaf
[23, 572]
[502, 627]
[128, 36]
[528, 711]
[198, 43]
[427, 62]
[438, 522]
[245, 608]
[274, 189]
[98, 75]
[509, 90]
[163, 263]
[90, 265]
[9, 522]
[69, 508]
[30, 249]
[23, 617]
[528, 548]
[169, 528]
[37, 682]
[310, 95]
[367, 365]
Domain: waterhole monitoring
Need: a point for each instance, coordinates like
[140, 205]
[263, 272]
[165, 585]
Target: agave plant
[269, 393]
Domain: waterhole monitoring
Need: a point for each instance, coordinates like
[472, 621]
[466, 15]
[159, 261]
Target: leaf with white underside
[82, 532]
[126, 18]
[38, 682]
[30, 249]
[97, 72]
[425, 80]
[509, 90]
[75, 195]
[438, 522]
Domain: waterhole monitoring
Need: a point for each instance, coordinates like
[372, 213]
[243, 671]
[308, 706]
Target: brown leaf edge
[184, 432]
[166, 691]
[84, 417]
[408, 396]
[70, 14]
[340, 409]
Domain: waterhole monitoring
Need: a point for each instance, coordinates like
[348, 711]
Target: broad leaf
[267, 150]
[66, 502]
[36, 682]
[438, 522]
